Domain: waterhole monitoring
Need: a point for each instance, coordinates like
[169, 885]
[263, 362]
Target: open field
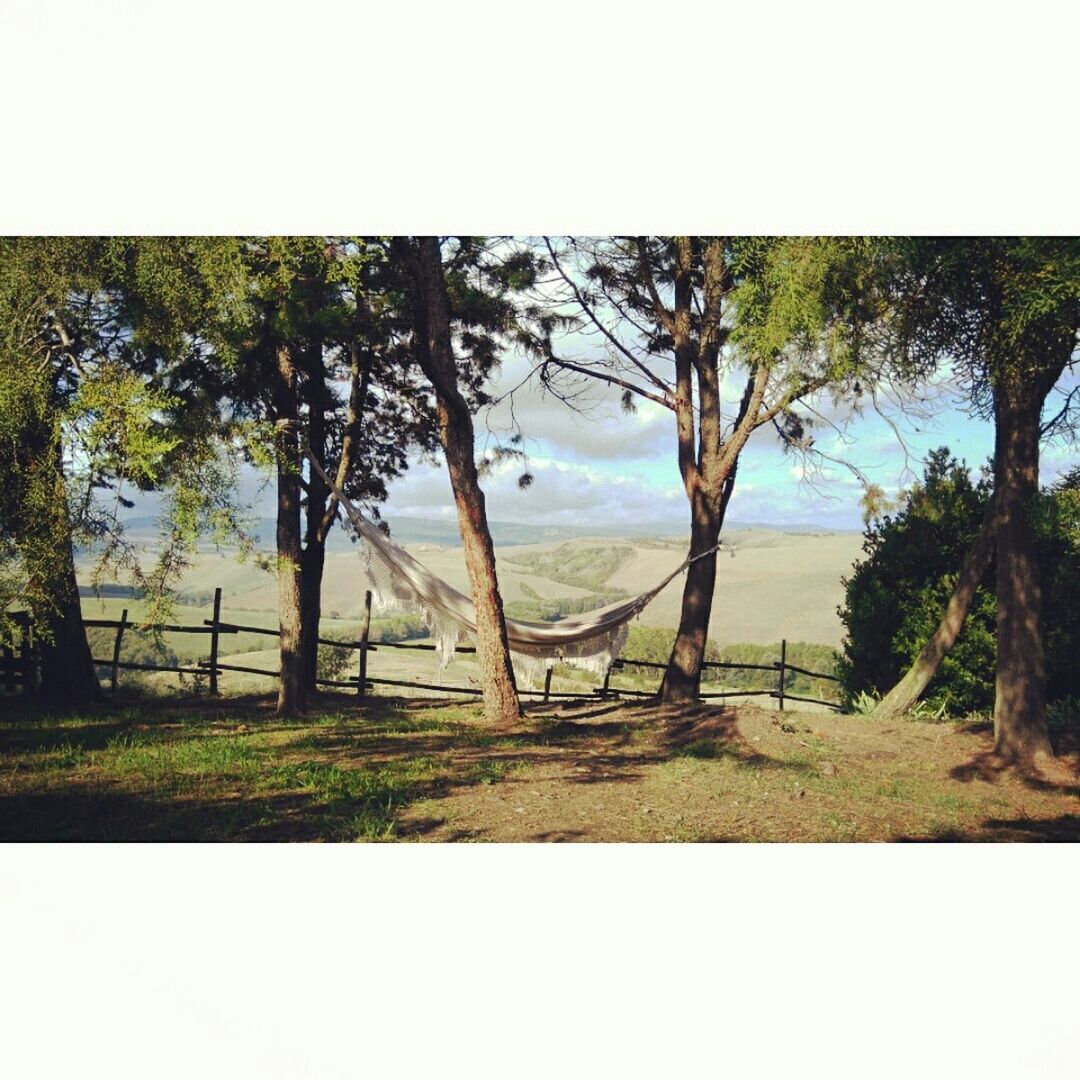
[778, 585]
[411, 770]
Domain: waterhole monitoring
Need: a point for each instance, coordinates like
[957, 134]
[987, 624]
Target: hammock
[399, 582]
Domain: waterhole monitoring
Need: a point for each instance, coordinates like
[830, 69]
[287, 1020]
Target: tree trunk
[320, 516]
[313, 559]
[915, 681]
[68, 677]
[709, 477]
[291, 696]
[312, 564]
[682, 679]
[1020, 730]
[501, 703]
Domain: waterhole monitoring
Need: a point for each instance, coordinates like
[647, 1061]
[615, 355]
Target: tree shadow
[990, 768]
[1064, 829]
[341, 777]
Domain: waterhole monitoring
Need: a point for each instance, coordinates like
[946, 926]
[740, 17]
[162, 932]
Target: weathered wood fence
[17, 662]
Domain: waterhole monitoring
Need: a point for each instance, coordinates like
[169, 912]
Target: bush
[895, 597]
[332, 662]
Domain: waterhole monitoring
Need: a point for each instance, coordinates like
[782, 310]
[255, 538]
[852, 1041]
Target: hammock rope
[399, 582]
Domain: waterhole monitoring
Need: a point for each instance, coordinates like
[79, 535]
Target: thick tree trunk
[915, 681]
[68, 677]
[501, 703]
[1020, 730]
[708, 476]
[291, 695]
[682, 679]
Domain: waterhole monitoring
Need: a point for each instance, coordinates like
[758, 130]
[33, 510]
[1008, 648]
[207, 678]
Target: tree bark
[313, 559]
[312, 564]
[291, 695]
[682, 679]
[68, 677]
[1020, 729]
[501, 703]
[918, 677]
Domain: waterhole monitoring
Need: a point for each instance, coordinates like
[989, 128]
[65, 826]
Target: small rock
[646, 809]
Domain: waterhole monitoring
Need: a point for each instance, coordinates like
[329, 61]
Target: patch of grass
[493, 769]
[703, 749]
[362, 801]
[180, 766]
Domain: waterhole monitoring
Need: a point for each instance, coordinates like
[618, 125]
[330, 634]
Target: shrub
[896, 595]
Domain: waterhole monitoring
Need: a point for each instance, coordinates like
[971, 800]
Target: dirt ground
[597, 771]
[623, 773]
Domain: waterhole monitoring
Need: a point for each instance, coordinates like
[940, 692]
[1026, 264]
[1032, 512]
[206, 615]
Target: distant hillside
[775, 585]
[444, 532]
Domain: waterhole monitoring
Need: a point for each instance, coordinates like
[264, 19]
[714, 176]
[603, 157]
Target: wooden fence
[18, 668]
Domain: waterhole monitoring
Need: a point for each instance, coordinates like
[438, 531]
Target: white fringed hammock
[398, 582]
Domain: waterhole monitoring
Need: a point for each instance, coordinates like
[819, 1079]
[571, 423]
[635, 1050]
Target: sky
[605, 469]
[619, 470]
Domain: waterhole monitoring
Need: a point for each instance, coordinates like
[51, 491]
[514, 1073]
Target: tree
[675, 316]
[364, 439]
[83, 412]
[1005, 312]
[894, 597]
[479, 313]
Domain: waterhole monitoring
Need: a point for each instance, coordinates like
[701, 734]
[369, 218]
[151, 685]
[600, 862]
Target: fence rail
[17, 665]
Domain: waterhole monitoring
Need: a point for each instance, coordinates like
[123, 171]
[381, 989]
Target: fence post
[361, 684]
[116, 649]
[783, 661]
[214, 640]
[607, 679]
[547, 684]
[26, 651]
[9, 661]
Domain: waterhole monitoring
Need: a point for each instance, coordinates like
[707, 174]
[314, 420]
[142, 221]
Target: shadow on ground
[200, 770]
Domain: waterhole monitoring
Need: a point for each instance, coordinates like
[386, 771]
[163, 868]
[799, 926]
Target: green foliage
[90, 329]
[863, 703]
[333, 662]
[896, 595]
[1002, 310]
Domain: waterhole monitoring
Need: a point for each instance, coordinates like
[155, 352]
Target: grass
[398, 770]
